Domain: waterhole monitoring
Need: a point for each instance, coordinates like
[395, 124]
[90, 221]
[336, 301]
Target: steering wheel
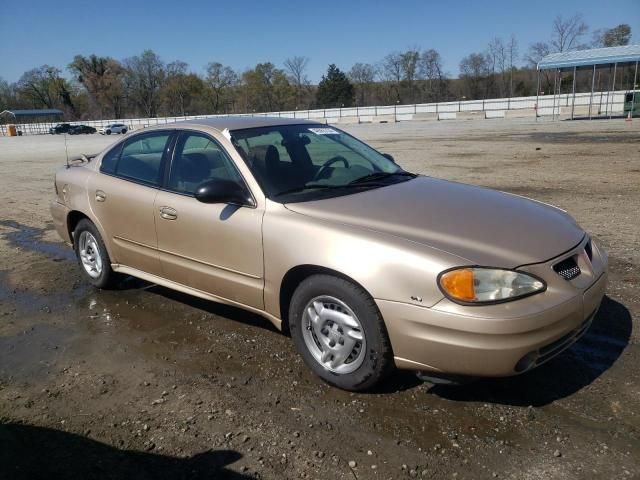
[328, 163]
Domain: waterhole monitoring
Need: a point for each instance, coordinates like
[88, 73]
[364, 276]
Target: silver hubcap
[333, 334]
[90, 254]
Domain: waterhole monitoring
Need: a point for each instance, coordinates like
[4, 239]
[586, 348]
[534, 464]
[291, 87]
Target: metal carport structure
[32, 118]
[628, 55]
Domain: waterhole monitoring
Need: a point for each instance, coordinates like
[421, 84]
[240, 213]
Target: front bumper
[496, 340]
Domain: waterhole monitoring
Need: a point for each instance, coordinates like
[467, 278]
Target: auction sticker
[324, 131]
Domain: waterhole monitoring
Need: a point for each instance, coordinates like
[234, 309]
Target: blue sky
[243, 33]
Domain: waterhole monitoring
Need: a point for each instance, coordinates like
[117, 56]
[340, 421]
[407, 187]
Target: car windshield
[294, 163]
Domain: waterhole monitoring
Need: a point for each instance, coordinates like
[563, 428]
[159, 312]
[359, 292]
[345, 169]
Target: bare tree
[512, 57]
[537, 51]
[497, 53]
[362, 75]
[219, 79]
[568, 33]
[565, 35]
[400, 70]
[144, 76]
[296, 67]
[503, 57]
[474, 70]
[430, 68]
[390, 68]
[177, 67]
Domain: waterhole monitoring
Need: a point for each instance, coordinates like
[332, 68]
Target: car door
[214, 248]
[122, 196]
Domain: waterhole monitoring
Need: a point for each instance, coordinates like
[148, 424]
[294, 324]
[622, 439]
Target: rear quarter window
[110, 160]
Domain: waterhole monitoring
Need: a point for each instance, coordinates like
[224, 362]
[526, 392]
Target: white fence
[602, 104]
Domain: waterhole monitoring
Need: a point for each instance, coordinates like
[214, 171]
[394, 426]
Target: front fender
[388, 267]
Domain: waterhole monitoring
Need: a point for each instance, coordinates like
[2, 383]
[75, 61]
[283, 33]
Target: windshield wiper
[362, 182]
[311, 186]
[306, 187]
[380, 175]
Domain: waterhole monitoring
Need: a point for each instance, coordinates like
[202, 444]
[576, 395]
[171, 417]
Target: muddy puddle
[29, 238]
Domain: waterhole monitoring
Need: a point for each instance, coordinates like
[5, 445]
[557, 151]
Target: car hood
[484, 226]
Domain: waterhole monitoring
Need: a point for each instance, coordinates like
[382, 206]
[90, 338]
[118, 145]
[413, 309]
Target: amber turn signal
[459, 284]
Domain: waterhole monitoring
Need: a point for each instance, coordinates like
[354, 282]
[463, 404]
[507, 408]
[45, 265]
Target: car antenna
[66, 150]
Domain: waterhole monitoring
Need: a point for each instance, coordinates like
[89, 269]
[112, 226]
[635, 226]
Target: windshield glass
[305, 162]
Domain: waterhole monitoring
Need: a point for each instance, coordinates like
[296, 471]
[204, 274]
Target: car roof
[240, 122]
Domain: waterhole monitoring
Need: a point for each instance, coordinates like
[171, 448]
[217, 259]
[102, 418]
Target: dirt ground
[146, 383]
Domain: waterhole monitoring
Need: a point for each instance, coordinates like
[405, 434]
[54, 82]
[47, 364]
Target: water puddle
[32, 353]
[29, 238]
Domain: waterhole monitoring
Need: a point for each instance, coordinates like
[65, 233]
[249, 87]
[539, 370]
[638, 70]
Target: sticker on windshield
[324, 131]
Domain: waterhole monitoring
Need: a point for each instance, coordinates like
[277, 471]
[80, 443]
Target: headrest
[194, 167]
[265, 155]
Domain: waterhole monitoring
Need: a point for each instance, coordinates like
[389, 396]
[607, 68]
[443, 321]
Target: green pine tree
[335, 89]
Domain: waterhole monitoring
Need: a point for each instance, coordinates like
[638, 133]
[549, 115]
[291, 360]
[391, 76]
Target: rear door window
[141, 157]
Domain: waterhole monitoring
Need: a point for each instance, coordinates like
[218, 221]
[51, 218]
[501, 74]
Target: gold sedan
[369, 267]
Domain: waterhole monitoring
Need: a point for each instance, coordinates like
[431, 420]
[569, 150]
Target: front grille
[567, 269]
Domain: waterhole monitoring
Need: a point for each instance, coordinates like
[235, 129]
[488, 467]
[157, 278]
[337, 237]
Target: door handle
[168, 213]
[100, 196]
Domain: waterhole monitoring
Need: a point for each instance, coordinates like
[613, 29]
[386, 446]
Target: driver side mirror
[223, 191]
[389, 156]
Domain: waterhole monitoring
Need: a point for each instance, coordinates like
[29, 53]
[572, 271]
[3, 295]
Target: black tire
[124, 130]
[108, 132]
[378, 359]
[107, 278]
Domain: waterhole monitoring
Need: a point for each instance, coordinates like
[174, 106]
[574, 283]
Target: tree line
[146, 86]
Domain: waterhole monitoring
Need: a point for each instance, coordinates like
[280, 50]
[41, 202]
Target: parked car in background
[80, 129]
[368, 266]
[113, 128]
[60, 128]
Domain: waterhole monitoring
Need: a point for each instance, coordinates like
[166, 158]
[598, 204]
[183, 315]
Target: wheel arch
[294, 277]
[74, 217]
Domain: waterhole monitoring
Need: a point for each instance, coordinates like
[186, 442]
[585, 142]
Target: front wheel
[124, 130]
[92, 255]
[108, 132]
[339, 332]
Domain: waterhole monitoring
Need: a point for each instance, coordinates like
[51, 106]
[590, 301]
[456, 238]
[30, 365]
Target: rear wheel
[108, 132]
[339, 332]
[124, 130]
[92, 255]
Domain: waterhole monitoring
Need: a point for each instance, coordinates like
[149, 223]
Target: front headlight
[480, 285]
